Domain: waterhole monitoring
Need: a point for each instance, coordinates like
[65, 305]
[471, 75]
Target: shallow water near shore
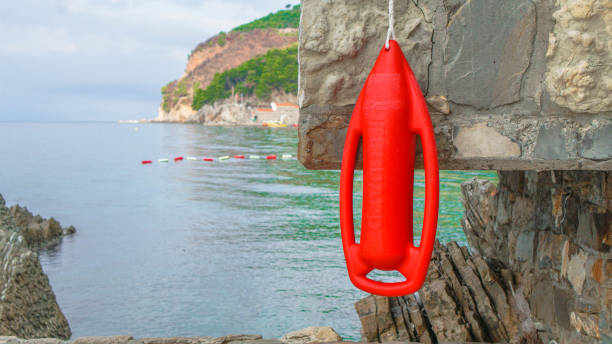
[192, 248]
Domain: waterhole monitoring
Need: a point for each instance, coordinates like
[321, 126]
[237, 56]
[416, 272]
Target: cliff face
[219, 53]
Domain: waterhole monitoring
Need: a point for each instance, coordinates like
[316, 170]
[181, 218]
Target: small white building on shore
[282, 113]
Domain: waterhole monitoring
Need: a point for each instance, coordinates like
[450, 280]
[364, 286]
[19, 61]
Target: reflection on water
[192, 248]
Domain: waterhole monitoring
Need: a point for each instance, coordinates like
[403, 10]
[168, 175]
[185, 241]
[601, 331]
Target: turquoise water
[191, 248]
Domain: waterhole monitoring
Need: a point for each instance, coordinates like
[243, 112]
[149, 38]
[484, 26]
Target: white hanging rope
[390, 31]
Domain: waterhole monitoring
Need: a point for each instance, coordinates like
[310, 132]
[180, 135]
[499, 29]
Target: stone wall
[518, 86]
[511, 85]
[540, 267]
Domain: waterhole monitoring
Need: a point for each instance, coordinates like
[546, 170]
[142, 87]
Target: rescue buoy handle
[424, 129]
[347, 174]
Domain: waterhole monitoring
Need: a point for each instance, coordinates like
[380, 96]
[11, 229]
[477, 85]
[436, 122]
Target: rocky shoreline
[37, 231]
[304, 336]
[244, 112]
[28, 307]
[223, 113]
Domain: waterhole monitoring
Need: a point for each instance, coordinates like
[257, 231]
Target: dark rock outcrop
[540, 267]
[37, 231]
[28, 307]
[464, 299]
[553, 230]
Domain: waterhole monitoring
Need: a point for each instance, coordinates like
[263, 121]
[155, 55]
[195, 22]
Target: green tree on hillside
[277, 69]
[221, 38]
[278, 20]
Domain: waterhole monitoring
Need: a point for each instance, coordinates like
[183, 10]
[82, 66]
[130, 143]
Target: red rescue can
[388, 116]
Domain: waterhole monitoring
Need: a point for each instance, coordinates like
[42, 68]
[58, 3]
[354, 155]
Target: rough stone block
[597, 143]
[481, 141]
[103, 340]
[579, 56]
[550, 143]
[313, 334]
[489, 48]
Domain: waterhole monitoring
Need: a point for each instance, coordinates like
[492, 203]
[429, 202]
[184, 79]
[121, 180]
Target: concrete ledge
[477, 142]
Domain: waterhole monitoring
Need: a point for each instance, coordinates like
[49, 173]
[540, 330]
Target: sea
[193, 248]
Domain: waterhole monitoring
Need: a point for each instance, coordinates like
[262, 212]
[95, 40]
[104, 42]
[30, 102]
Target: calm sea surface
[191, 248]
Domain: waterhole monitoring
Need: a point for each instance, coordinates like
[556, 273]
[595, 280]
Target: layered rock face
[510, 85]
[465, 299]
[554, 231]
[540, 267]
[216, 55]
[28, 307]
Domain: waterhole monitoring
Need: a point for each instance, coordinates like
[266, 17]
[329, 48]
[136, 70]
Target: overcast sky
[104, 59]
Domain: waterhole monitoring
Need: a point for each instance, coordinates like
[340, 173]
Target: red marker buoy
[271, 157]
[147, 162]
[238, 156]
[178, 158]
[208, 159]
[389, 114]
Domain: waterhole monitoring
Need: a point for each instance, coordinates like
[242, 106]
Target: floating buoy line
[222, 158]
